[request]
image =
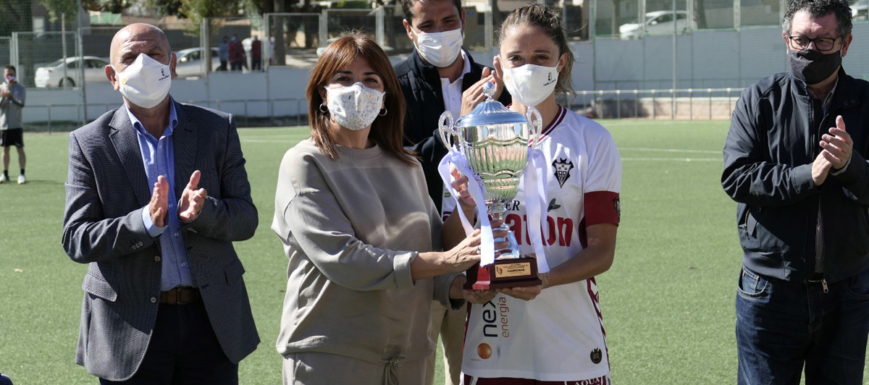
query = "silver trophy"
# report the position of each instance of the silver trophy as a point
(494, 142)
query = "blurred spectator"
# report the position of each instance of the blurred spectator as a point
(256, 54)
(12, 96)
(224, 53)
(236, 54)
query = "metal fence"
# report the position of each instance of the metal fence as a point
(654, 104)
(688, 51)
(51, 59)
(659, 104)
(243, 116)
(5, 51)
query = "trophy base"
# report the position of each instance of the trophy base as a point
(503, 273)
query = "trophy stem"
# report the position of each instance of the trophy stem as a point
(496, 209)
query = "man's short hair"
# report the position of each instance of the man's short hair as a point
(10, 68)
(407, 7)
(818, 9)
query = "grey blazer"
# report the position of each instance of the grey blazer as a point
(106, 191)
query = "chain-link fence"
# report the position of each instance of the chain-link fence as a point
(52, 60)
(630, 53)
(5, 51)
(666, 104)
(292, 38)
(696, 44)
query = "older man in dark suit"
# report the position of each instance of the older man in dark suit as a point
(156, 194)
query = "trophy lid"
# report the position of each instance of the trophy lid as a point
(490, 112)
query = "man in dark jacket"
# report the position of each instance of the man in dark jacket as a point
(795, 161)
(440, 76)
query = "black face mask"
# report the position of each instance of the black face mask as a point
(812, 66)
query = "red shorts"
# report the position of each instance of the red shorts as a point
(469, 380)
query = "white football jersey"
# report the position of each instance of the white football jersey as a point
(448, 204)
(558, 336)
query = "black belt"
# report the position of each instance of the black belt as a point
(181, 295)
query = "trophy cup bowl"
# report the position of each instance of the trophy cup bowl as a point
(494, 142)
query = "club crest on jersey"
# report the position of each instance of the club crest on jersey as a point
(618, 208)
(596, 356)
(562, 170)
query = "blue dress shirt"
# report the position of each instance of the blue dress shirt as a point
(158, 155)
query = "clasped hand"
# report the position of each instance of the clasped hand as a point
(837, 146)
(189, 206)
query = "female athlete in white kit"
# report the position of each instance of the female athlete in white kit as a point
(553, 333)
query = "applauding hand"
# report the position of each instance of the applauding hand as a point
(192, 199)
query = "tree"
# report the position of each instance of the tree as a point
(15, 16)
(170, 8)
(62, 7)
(196, 10)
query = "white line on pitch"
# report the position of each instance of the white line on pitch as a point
(670, 150)
(266, 141)
(675, 159)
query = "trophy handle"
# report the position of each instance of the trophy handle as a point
(446, 128)
(536, 122)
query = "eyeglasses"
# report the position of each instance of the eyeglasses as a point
(821, 43)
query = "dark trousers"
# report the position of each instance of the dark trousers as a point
(183, 350)
(222, 65)
(782, 327)
(470, 380)
(235, 65)
(256, 64)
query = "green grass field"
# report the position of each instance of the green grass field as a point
(667, 301)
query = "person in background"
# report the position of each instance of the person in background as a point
(12, 95)
(439, 76)
(256, 54)
(271, 50)
(795, 162)
(156, 195)
(223, 53)
(236, 54)
(552, 333)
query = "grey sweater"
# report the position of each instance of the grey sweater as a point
(10, 107)
(351, 229)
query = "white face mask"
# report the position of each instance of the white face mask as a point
(439, 49)
(354, 107)
(145, 82)
(531, 84)
(10, 78)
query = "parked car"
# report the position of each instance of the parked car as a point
(659, 23)
(860, 9)
(190, 61)
(52, 74)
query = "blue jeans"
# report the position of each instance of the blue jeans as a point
(780, 326)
